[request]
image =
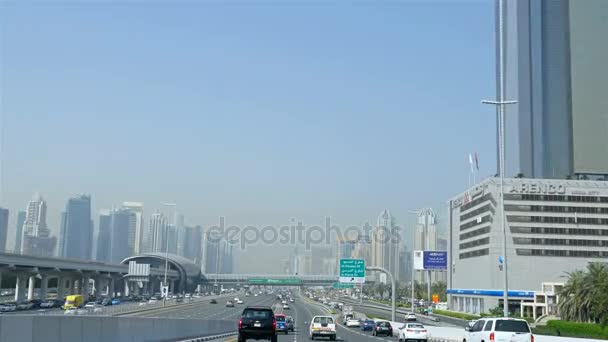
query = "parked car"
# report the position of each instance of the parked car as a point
(499, 329)
(413, 332)
(213, 301)
(257, 323)
(383, 328)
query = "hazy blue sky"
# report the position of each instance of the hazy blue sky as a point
(255, 110)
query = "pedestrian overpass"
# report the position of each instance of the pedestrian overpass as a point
(272, 279)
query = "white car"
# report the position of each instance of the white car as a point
(285, 306)
(351, 322)
(255, 295)
(322, 326)
(499, 329)
(283, 302)
(8, 307)
(410, 316)
(89, 305)
(413, 332)
(239, 301)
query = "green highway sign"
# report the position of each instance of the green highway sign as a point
(270, 281)
(352, 271)
(342, 285)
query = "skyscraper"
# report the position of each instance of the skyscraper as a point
(385, 244)
(319, 254)
(119, 233)
(172, 238)
(191, 239)
(36, 237)
(555, 70)
(157, 233)
(212, 252)
(227, 261)
(103, 236)
(137, 234)
(3, 228)
(19, 231)
(77, 228)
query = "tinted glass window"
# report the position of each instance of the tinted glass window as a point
(478, 325)
(258, 314)
(512, 326)
(323, 320)
(488, 326)
(415, 326)
(280, 319)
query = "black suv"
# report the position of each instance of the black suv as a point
(259, 323)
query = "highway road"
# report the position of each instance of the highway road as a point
(302, 311)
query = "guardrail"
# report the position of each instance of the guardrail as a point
(101, 329)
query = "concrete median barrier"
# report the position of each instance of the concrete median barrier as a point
(102, 329)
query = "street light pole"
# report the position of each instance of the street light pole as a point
(500, 105)
(412, 253)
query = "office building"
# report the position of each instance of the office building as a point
(191, 240)
(119, 234)
(77, 228)
(425, 239)
(362, 249)
(137, 234)
(227, 260)
(157, 233)
(19, 231)
(104, 244)
(385, 244)
(346, 248)
(36, 238)
(318, 255)
(3, 228)
(552, 227)
(303, 264)
(172, 238)
(330, 267)
(555, 70)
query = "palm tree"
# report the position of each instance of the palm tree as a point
(584, 297)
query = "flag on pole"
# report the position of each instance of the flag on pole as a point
(476, 162)
(471, 162)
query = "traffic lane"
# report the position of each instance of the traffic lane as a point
(206, 310)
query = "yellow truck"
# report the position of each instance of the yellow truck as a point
(73, 301)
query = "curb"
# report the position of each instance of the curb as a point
(209, 338)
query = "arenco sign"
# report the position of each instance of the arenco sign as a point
(538, 188)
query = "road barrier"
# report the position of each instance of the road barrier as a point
(102, 329)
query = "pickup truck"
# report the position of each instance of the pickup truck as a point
(322, 326)
(257, 323)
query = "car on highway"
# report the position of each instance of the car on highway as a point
(90, 305)
(255, 294)
(47, 304)
(352, 323)
(322, 326)
(240, 301)
(257, 322)
(367, 325)
(229, 304)
(410, 316)
(213, 301)
(383, 328)
(283, 301)
(413, 332)
(291, 300)
(286, 307)
(281, 320)
(291, 323)
(499, 329)
(25, 306)
(115, 301)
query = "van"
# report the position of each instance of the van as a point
(73, 301)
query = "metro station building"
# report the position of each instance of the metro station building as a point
(552, 227)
